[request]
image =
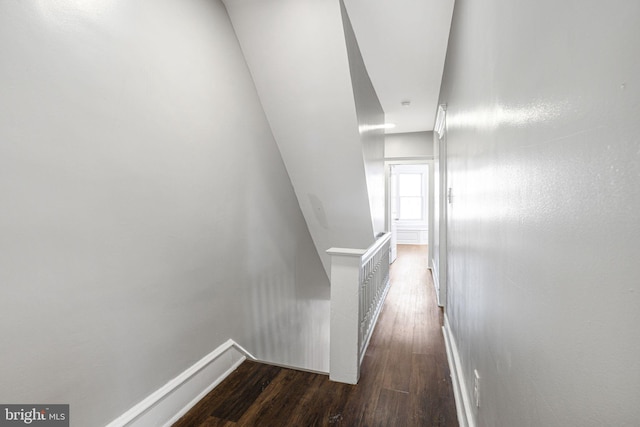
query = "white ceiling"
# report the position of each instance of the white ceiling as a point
(403, 44)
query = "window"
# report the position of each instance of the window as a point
(410, 202)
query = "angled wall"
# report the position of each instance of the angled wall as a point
(298, 58)
(543, 156)
(370, 116)
(147, 215)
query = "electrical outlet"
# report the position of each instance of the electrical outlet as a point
(476, 387)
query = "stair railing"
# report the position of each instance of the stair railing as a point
(359, 285)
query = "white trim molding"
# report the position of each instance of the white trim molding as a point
(436, 282)
(171, 401)
(440, 125)
(408, 235)
(463, 404)
(359, 285)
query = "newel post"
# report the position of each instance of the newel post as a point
(344, 357)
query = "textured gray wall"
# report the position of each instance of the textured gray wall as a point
(544, 162)
(147, 216)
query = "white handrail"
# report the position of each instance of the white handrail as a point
(359, 284)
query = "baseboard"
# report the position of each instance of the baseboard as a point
(412, 236)
(170, 402)
(292, 367)
(463, 405)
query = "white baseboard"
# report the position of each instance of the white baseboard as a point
(412, 236)
(463, 405)
(170, 402)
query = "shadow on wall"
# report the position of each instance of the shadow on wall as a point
(290, 301)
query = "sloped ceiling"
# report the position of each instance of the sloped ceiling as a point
(297, 55)
(403, 43)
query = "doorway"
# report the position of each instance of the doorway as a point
(408, 209)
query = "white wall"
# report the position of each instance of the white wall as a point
(408, 145)
(544, 162)
(370, 121)
(298, 58)
(146, 214)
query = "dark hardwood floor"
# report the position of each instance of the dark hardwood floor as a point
(404, 378)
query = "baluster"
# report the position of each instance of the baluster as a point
(358, 282)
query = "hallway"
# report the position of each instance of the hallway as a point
(404, 382)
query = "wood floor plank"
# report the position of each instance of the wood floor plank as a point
(428, 387)
(424, 316)
(322, 404)
(361, 406)
(427, 333)
(408, 277)
(244, 394)
(404, 375)
(392, 409)
(216, 422)
(231, 399)
(279, 400)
